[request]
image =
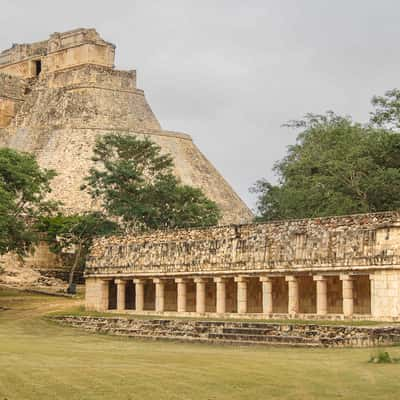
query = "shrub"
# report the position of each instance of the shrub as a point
(383, 357)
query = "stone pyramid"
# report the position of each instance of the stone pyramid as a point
(58, 95)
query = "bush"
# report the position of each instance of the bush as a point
(383, 357)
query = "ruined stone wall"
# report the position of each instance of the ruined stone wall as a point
(19, 59)
(357, 242)
(94, 295)
(12, 87)
(12, 90)
(61, 51)
(385, 293)
(90, 97)
(81, 54)
(20, 52)
(315, 335)
(93, 76)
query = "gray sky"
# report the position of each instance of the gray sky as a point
(230, 73)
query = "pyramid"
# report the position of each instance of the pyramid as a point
(58, 95)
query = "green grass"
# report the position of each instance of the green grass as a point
(42, 360)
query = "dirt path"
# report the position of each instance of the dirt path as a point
(20, 305)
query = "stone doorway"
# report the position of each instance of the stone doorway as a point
(170, 295)
(335, 295)
(307, 295)
(130, 295)
(37, 67)
(149, 296)
(362, 294)
(231, 296)
(112, 295)
(211, 296)
(280, 295)
(254, 295)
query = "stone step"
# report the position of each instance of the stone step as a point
(241, 333)
(130, 331)
(229, 341)
(260, 338)
(252, 331)
(148, 329)
(231, 337)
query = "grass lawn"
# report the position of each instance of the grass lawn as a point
(41, 360)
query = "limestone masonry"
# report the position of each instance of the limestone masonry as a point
(58, 95)
(234, 332)
(338, 267)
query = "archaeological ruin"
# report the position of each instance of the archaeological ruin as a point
(337, 267)
(58, 95)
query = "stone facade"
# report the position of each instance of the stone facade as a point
(12, 90)
(58, 95)
(330, 267)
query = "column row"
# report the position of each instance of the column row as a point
(243, 293)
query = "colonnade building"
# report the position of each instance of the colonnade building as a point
(335, 267)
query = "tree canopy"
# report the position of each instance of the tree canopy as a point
(135, 182)
(336, 167)
(23, 186)
(387, 110)
(75, 233)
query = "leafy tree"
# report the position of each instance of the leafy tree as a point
(75, 233)
(135, 183)
(336, 167)
(387, 110)
(23, 187)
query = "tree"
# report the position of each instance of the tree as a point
(75, 233)
(23, 187)
(135, 183)
(336, 167)
(387, 110)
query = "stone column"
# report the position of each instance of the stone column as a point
(372, 293)
(221, 295)
(139, 291)
(348, 299)
(160, 285)
(105, 295)
(293, 301)
(322, 294)
(200, 295)
(241, 294)
(266, 294)
(121, 286)
(181, 293)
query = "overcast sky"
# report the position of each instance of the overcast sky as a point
(230, 73)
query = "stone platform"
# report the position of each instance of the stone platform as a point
(239, 333)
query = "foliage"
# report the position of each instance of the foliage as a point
(336, 167)
(75, 233)
(383, 357)
(23, 186)
(387, 110)
(136, 183)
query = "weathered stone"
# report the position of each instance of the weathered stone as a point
(341, 267)
(57, 96)
(239, 332)
(355, 242)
